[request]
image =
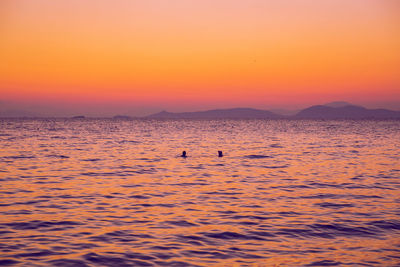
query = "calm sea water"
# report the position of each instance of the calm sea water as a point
(116, 193)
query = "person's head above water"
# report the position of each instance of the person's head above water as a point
(220, 153)
(183, 154)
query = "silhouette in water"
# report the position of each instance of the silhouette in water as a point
(220, 153)
(183, 154)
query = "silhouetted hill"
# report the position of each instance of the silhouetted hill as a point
(346, 112)
(235, 113)
(338, 104)
(284, 112)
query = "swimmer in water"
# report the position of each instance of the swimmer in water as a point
(220, 154)
(183, 154)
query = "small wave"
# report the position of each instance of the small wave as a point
(335, 205)
(283, 187)
(276, 146)
(226, 211)
(386, 225)
(6, 232)
(17, 212)
(301, 233)
(223, 193)
(192, 237)
(251, 217)
(146, 171)
(23, 203)
(19, 157)
(182, 223)
(338, 196)
(151, 159)
(131, 185)
(91, 159)
(68, 263)
(119, 236)
(276, 167)
(41, 253)
(128, 141)
(324, 185)
(207, 254)
(231, 236)
(199, 167)
(139, 197)
(364, 196)
(113, 260)
(289, 213)
(257, 156)
(57, 156)
(190, 184)
(171, 247)
(55, 129)
(337, 229)
(58, 137)
(140, 256)
(6, 262)
(262, 233)
(177, 263)
(325, 263)
(104, 174)
(41, 224)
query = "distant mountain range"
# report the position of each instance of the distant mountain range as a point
(234, 113)
(334, 110)
(346, 112)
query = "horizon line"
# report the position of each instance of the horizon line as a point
(148, 116)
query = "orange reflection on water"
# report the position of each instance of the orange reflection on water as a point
(117, 192)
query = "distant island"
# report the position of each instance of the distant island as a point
(346, 112)
(333, 110)
(234, 113)
(78, 117)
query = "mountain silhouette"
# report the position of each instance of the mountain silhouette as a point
(234, 113)
(345, 112)
(333, 110)
(338, 104)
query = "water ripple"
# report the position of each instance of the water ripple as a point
(102, 192)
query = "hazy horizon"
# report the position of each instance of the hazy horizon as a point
(105, 109)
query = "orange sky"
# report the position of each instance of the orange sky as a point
(189, 54)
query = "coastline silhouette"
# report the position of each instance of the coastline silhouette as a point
(334, 110)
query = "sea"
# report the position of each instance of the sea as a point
(107, 192)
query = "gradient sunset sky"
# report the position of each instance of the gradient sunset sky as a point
(103, 57)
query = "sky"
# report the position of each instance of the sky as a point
(104, 57)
